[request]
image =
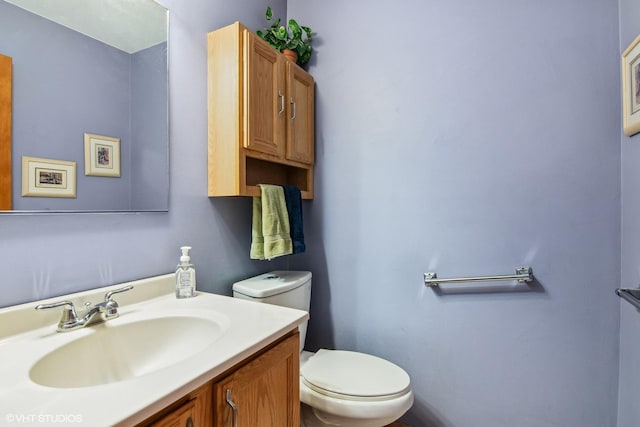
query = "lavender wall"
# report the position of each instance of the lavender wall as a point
(628, 408)
(469, 138)
(148, 153)
(65, 84)
(464, 138)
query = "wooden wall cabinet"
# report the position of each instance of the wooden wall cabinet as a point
(261, 116)
(265, 390)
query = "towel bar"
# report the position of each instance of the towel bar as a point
(632, 296)
(523, 274)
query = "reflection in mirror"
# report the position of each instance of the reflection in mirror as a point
(89, 67)
(5, 132)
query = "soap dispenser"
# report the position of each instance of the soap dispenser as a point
(185, 275)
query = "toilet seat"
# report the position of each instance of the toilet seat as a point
(353, 376)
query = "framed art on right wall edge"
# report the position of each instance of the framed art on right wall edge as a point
(631, 88)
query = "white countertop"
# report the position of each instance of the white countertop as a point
(248, 328)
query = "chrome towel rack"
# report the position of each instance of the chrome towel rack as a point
(632, 296)
(523, 275)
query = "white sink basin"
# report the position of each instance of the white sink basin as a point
(117, 352)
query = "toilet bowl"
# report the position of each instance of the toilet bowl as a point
(346, 388)
(337, 387)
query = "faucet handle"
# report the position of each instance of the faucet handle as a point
(54, 305)
(108, 295)
(111, 306)
(68, 317)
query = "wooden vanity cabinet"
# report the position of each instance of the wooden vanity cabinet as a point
(260, 116)
(264, 389)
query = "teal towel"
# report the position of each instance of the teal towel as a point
(293, 198)
(270, 224)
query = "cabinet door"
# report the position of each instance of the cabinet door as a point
(184, 416)
(193, 410)
(264, 97)
(263, 393)
(300, 132)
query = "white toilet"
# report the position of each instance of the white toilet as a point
(337, 388)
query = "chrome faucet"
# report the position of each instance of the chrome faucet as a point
(70, 320)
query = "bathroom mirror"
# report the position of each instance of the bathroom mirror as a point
(90, 102)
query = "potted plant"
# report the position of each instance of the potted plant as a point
(289, 38)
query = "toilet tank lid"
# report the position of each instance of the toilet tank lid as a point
(272, 283)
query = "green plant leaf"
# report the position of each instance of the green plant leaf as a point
(295, 29)
(281, 34)
(269, 13)
(307, 30)
(304, 57)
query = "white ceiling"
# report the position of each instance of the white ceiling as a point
(129, 25)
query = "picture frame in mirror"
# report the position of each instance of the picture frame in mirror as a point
(101, 155)
(48, 177)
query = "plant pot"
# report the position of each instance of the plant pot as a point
(291, 55)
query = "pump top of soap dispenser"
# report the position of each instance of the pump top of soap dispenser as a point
(185, 259)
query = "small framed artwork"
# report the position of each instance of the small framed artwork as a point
(631, 88)
(101, 155)
(48, 178)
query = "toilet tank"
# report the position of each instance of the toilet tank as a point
(286, 288)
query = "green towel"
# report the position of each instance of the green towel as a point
(270, 225)
(257, 239)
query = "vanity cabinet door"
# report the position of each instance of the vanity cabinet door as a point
(184, 416)
(193, 410)
(265, 392)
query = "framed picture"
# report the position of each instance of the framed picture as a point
(631, 88)
(48, 178)
(101, 155)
